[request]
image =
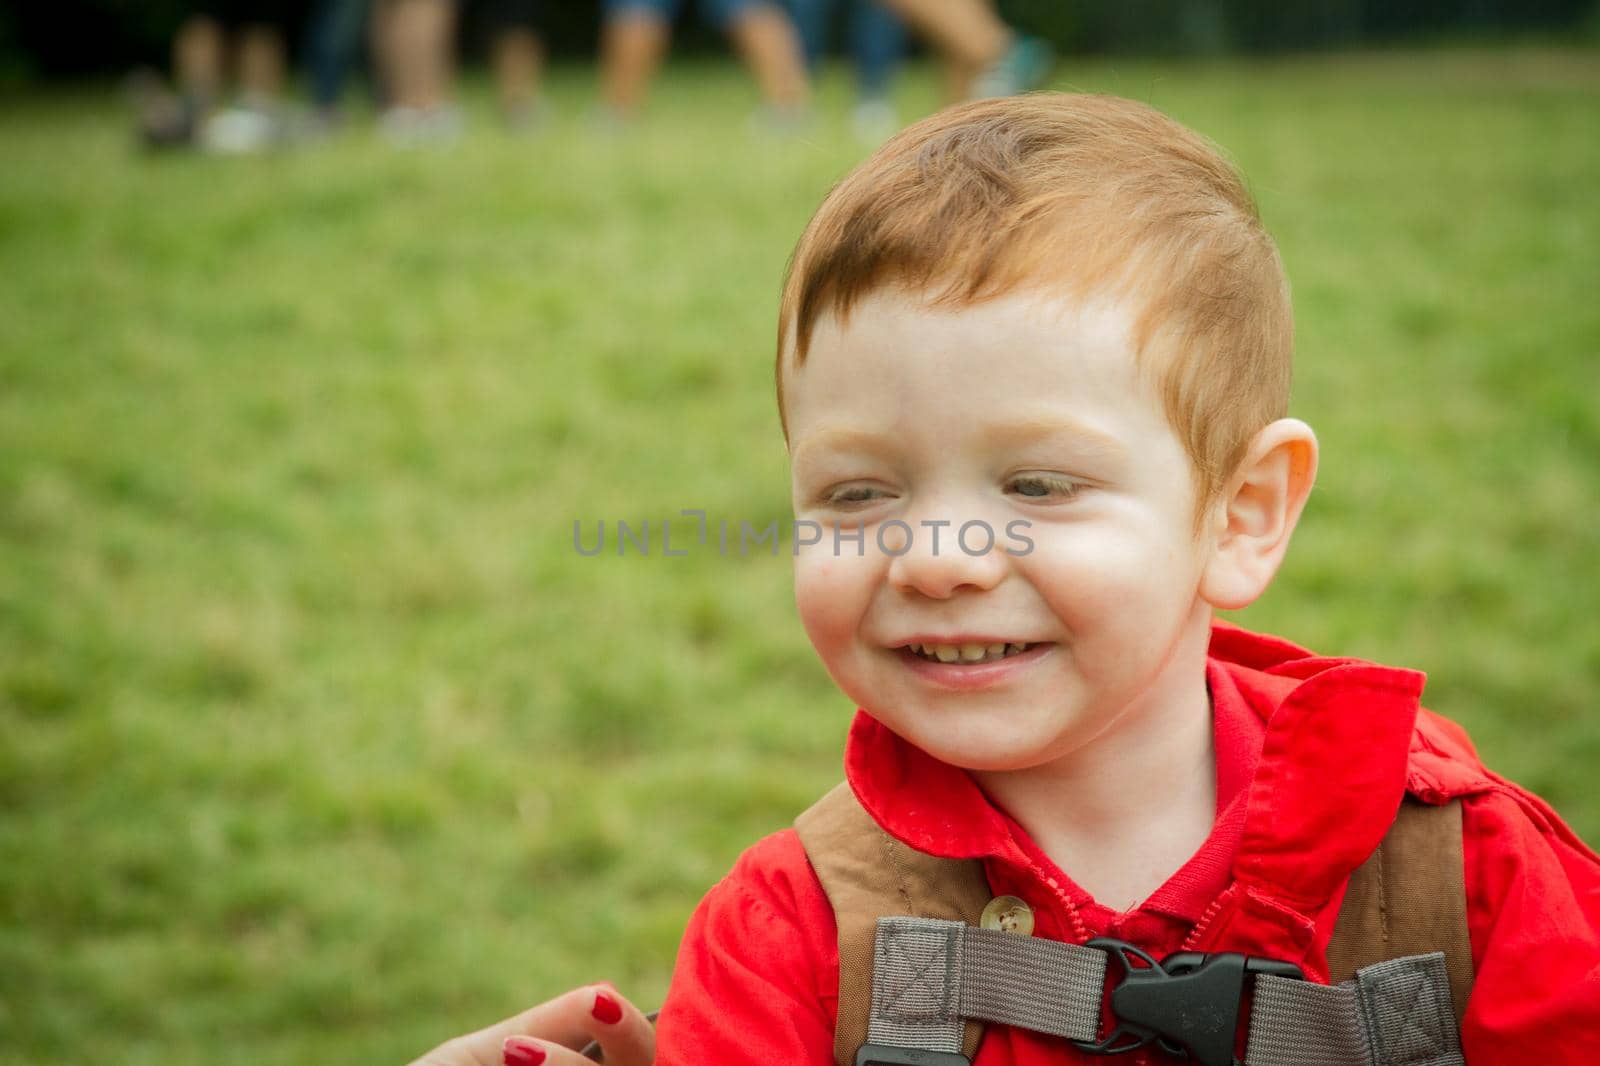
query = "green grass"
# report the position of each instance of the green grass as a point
(319, 743)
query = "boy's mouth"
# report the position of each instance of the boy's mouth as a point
(967, 653)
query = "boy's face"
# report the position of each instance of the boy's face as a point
(1027, 417)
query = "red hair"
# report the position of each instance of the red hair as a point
(1076, 195)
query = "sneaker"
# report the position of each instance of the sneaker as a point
(415, 127)
(164, 119)
(240, 131)
(525, 117)
(780, 120)
(608, 120)
(874, 120)
(1025, 66)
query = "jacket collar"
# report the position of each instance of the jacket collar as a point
(1312, 813)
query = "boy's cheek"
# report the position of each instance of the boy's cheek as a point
(1109, 584)
(1116, 557)
(816, 583)
(829, 602)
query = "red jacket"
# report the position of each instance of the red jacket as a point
(1312, 758)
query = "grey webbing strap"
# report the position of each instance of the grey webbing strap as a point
(1395, 1013)
(929, 975)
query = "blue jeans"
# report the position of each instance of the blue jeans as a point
(877, 39)
(334, 36)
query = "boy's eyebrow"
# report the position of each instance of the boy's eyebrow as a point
(841, 439)
(1016, 433)
(1011, 434)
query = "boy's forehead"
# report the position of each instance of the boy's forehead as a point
(1005, 348)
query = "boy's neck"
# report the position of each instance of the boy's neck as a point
(1122, 814)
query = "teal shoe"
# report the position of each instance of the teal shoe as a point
(1025, 66)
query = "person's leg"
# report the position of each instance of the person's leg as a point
(516, 55)
(170, 117)
(254, 122)
(380, 43)
(441, 50)
(811, 20)
(197, 61)
(518, 60)
(420, 38)
(261, 67)
(967, 34)
(877, 41)
(333, 37)
(632, 44)
(767, 42)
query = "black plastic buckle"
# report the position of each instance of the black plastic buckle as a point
(1188, 1004)
(888, 1055)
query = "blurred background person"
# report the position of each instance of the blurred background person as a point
(983, 56)
(333, 39)
(239, 45)
(516, 57)
(876, 42)
(637, 32)
(414, 43)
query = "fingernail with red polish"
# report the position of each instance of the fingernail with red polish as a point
(607, 1009)
(519, 1052)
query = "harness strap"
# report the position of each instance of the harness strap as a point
(1408, 898)
(866, 872)
(930, 976)
(1395, 1013)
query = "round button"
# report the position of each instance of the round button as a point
(1009, 915)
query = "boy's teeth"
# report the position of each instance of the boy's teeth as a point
(968, 653)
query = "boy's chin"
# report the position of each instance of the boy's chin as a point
(990, 755)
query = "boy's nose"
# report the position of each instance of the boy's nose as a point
(939, 560)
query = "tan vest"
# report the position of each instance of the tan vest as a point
(1408, 898)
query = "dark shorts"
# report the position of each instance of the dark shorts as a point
(718, 12)
(236, 14)
(502, 13)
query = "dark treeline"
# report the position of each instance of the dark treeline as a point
(72, 38)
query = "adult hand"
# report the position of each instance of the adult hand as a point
(551, 1033)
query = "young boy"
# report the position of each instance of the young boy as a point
(1033, 368)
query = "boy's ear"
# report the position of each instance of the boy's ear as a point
(1252, 522)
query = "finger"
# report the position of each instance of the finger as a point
(457, 1052)
(565, 1020)
(526, 1051)
(626, 1036)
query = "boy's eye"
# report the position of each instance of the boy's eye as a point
(853, 494)
(1043, 486)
